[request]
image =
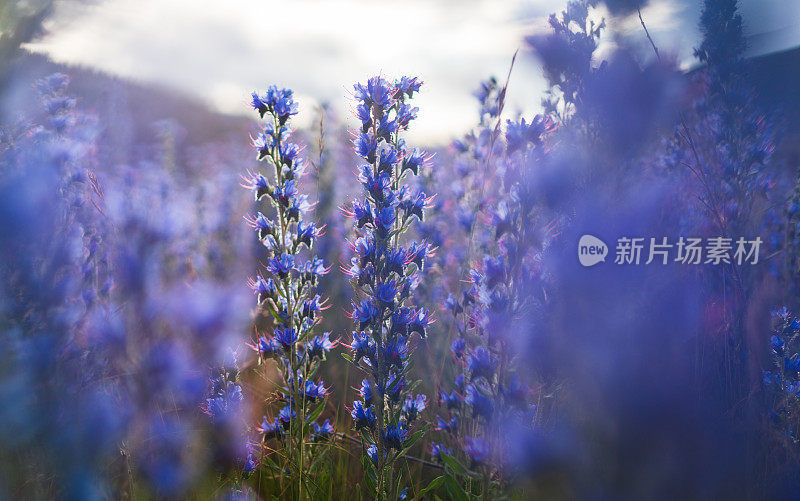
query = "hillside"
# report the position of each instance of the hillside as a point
(128, 111)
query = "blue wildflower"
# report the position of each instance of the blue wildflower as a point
(364, 312)
(367, 391)
(267, 347)
(281, 266)
(481, 404)
(285, 337)
(376, 94)
(395, 352)
(448, 426)
(271, 429)
(322, 432)
(394, 436)
(313, 391)
(477, 449)
(458, 346)
(481, 363)
(438, 449)
(320, 345)
(387, 291)
(450, 400)
(363, 346)
(285, 416)
(364, 417)
(413, 406)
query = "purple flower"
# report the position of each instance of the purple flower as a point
(401, 318)
(413, 406)
(395, 352)
(286, 337)
(320, 345)
(458, 346)
(322, 432)
(372, 453)
(307, 232)
(363, 346)
(414, 205)
(481, 363)
(365, 249)
(385, 130)
(387, 291)
(405, 114)
(395, 387)
(450, 400)
(438, 449)
(481, 404)
(377, 186)
(448, 426)
(384, 219)
(279, 101)
(364, 417)
(420, 321)
(376, 94)
(366, 146)
(477, 449)
(361, 212)
(264, 288)
(267, 347)
(263, 225)
(258, 184)
(271, 429)
(281, 266)
(367, 391)
(394, 436)
(313, 391)
(364, 313)
(414, 161)
(406, 85)
(285, 415)
(363, 114)
(315, 268)
(418, 252)
(311, 307)
(388, 159)
(285, 195)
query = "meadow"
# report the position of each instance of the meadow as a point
(597, 301)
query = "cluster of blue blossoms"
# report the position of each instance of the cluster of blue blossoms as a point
(385, 273)
(491, 392)
(287, 293)
(782, 381)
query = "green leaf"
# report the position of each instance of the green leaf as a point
(347, 357)
(454, 489)
(314, 415)
(454, 464)
(413, 440)
(369, 468)
(397, 485)
(435, 484)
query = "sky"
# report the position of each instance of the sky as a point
(222, 51)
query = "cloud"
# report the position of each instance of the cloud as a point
(221, 51)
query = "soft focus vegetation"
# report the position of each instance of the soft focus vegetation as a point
(201, 306)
